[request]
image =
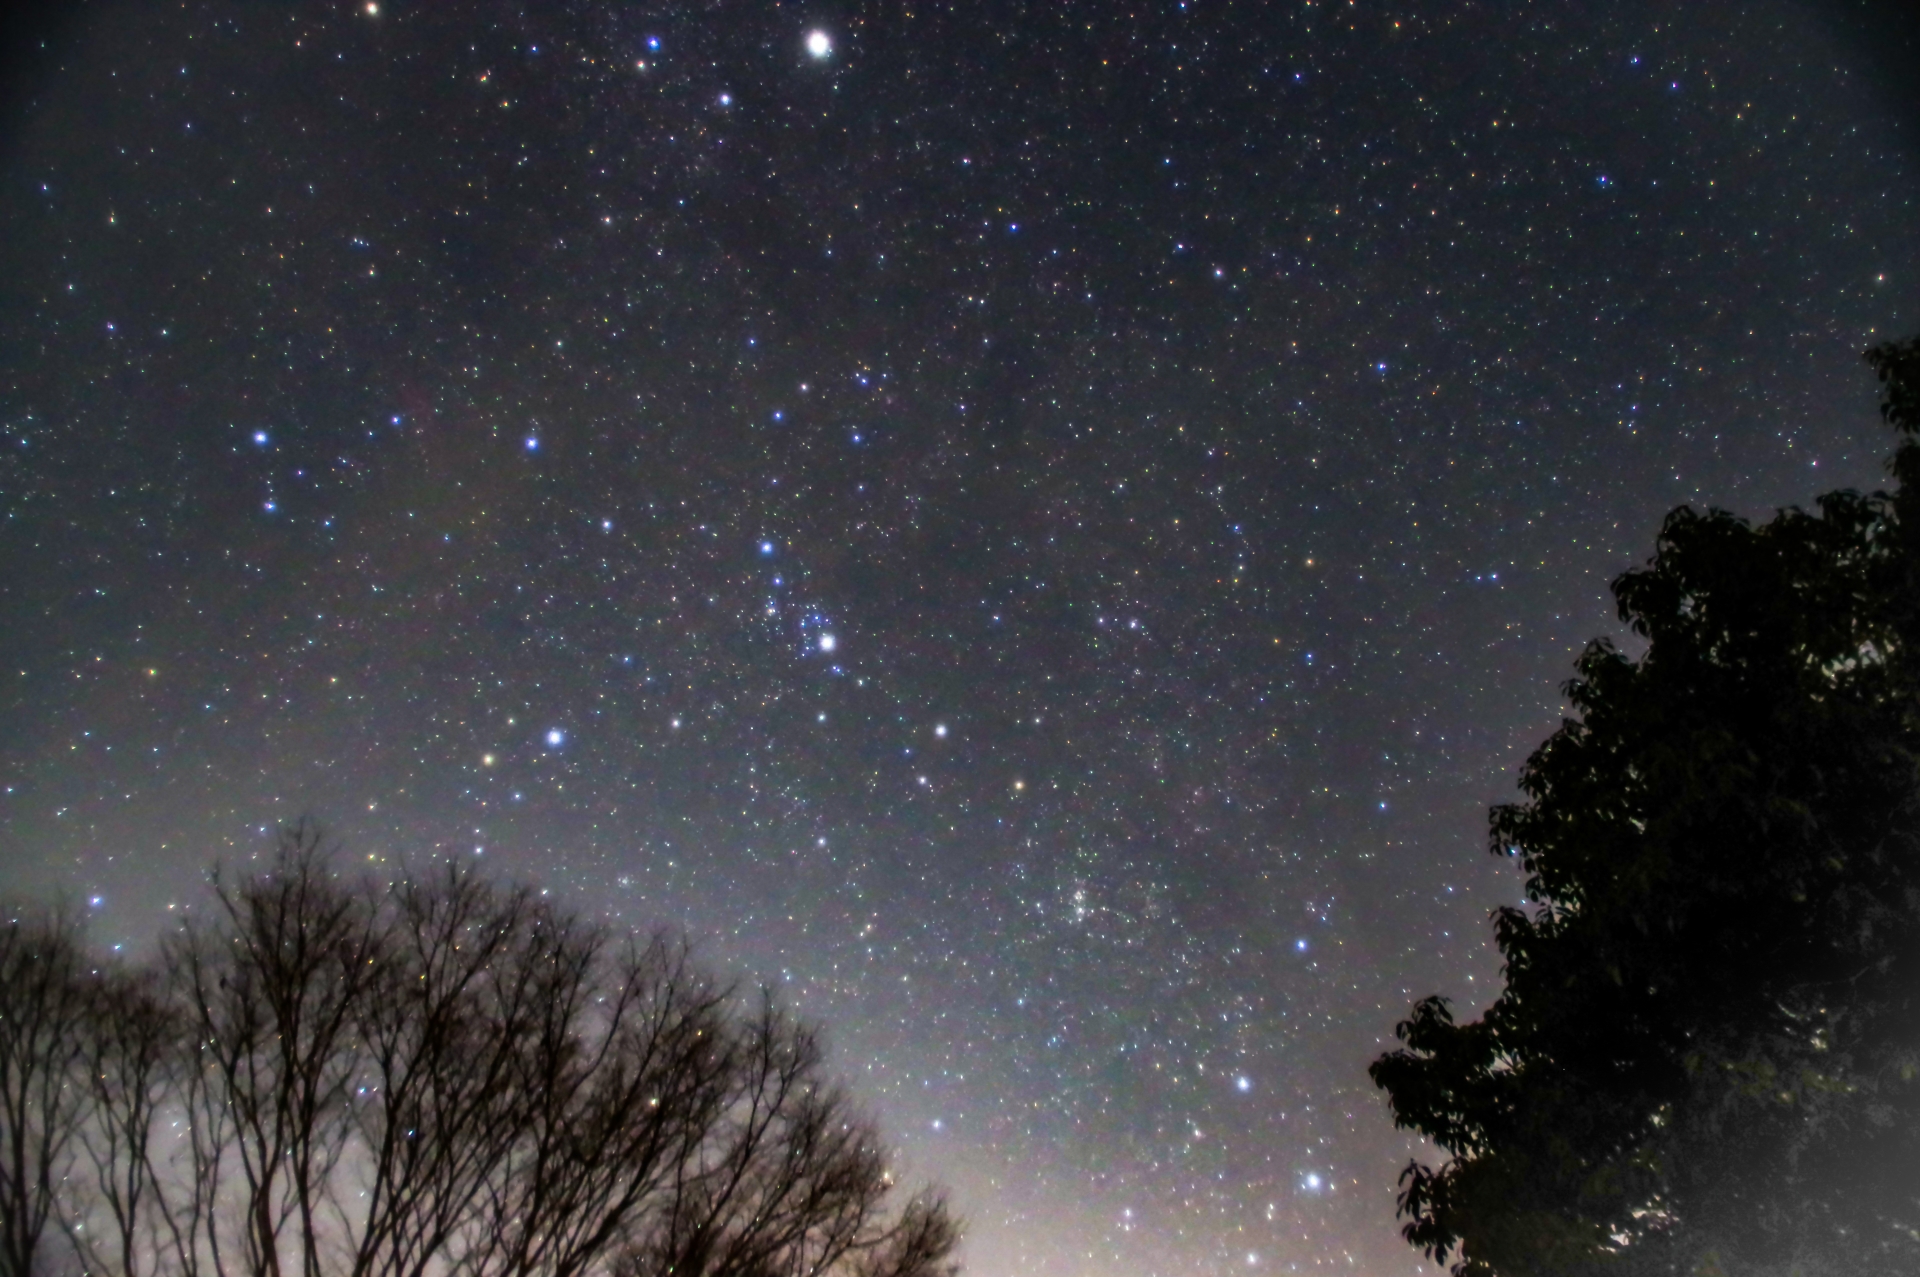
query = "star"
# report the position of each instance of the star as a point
(1061, 471)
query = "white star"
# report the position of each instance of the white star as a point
(819, 44)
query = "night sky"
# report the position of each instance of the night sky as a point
(1039, 530)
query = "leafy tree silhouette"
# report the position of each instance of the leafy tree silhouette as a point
(1706, 1058)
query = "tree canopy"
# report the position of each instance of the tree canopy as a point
(431, 1077)
(1706, 1057)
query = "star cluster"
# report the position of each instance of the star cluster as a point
(1038, 530)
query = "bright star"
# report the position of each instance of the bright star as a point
(940, 729)
(259, 436)
(556, 738)
(819, 44)
(533, 443)
(826, 642)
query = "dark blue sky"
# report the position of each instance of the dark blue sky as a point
(1040, 530)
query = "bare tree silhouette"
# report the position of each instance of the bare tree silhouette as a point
(43, 1030)
(437, 1076)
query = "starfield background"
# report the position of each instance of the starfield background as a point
(1037, 529)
